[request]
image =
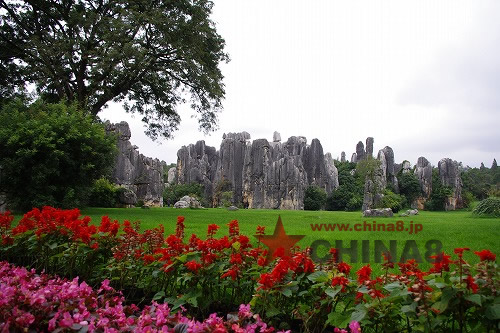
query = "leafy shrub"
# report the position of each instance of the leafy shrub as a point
(488, 207)
(439, 193)
(349, 195)
(174, 192)
(393, 201)
(104, 194)
(51, 154)
(409, 186)
(314, 198)
(226, 199)
(219, 274)
(468, 198)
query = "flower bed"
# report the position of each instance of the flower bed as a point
(217, 274)
(40, 302)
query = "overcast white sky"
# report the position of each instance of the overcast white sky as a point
(420, 76)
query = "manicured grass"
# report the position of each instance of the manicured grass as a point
(452, 229)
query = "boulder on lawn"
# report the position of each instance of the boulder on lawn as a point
(379, 212)
(409, 212)
(188, 202)
(232, 208)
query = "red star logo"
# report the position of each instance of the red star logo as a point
(279, 239)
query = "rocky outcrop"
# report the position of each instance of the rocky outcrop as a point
(381, 212)
(171, 176)
(135, 172)
(406, 167)
(197, 164)
(187, 202)
(369, 147)
(392, 180)
(260, 174)
(276, 137)
(423, 172)
(375, 184)
(450, 176)
(360, 151)
(342, 156)
(354, 158)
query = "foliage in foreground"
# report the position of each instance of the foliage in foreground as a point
(289, 291)
(51, 154)
(39, 302)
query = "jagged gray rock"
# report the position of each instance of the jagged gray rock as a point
(134, 171)
(342, 156)
(406, 167)
(450, 176)
(390, 170)
(260, 174)
(197, 164)
(360, 151)
(276, 137)
(381, 212)
(369, 147)
(232, 208)
(423, 171)
(354, 158)
(188, 202)
(171, 175)
(375, 185)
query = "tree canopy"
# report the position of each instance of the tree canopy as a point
(150, 55)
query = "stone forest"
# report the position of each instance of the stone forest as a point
(270, 174)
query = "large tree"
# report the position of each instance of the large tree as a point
(150, 55)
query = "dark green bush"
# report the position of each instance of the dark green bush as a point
(488, 207)
(409, 186)
(51, 154)
(393, 201)
(174, 192)
(103, 194)
(314, 198)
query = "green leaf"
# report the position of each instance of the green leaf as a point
(493, 312)
(359, 314)
(332, 292)
(409, 308)
(319, 276)
(392, 286)
(338, 319)
(159, 295)
(272, 311)
(474, 298)
(287, 292)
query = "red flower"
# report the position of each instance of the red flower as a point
(212, 229)
(344, 268)
(266, 281)
(441, 263)
(234, 228)
(486, 255)
(364, 273)
(471, 284)
(460, 251)
(262, 261)
(193, 266)
(261, 230)
(235, 259)
(340, 281)
(148, 258)
(335, 255)
(233, 273)
(179, 228)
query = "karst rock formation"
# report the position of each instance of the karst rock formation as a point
(269, 174)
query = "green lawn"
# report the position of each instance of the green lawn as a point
(453, 229)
